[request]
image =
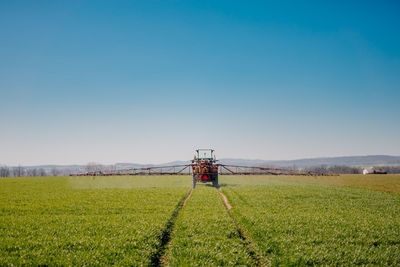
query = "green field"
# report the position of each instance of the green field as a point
(206, 235)
(142, 221)
(69, 222)
(303, 224)
(377, 182)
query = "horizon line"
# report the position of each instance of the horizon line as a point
(251, 159)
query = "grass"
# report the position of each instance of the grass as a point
(123, 220)
(51, 221)
(378, 182)
(306, 224)
(205, 234)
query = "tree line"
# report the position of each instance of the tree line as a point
(349, 169)
(20, 171)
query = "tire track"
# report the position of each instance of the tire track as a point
(225, 199)
(250, 246)
(157, 258)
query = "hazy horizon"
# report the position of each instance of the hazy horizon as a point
(149, 82)
(175, 160)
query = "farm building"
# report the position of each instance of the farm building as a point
(372, 170)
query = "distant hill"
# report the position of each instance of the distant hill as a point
(354, 161)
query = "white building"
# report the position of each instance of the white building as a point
(372, 170)
(368, 170)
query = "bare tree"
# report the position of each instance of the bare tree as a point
(54, 171)
(19, 171)
(14, 172)
(4, 171)
(94, 167)
(42, 172)
(334, 170)
(112, 167)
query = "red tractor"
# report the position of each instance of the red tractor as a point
(204, 167)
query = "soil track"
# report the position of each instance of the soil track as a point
(187, 198)
(158, 259)
(225, 199)
(251, 247)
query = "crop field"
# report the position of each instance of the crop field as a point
(155, 220)
(304, 224)
(206, 235)
(59, 221)
(377, 182)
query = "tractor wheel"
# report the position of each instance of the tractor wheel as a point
(215, 181)
(194, 182)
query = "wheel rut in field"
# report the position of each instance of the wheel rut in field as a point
(157, 259)
(225, 199)
(251, 248)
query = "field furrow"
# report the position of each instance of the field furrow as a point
(205, 235)
(158, 257)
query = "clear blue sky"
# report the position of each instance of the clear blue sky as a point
(150, 81)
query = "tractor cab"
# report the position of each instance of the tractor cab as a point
(204, 167)
(205, 155)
